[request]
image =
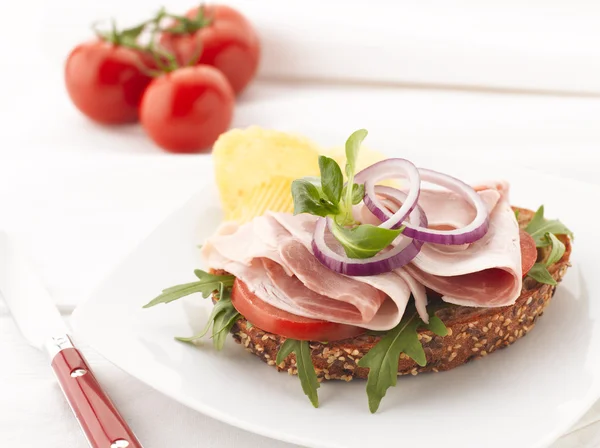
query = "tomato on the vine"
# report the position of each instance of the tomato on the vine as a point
(187, 109)
(216, 35)
(106, 81)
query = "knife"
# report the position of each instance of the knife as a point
(40, 322)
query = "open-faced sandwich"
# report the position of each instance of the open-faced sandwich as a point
(367, 273)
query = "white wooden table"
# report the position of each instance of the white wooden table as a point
(84, 197)
(83, 212)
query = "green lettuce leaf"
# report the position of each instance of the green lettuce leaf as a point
(307, 199)
(358, 193)
(365, 240)
(352, 148)
(332, 180)
(327, 196)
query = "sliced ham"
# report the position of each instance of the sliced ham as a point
(446, 209)
(302, 227)
(418, 292)
(273, 256)
(318, 305)
(487, 273)
(281, 270)
(244, 243)
(316, 277)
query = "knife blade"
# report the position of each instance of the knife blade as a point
(31, 306)
(40, 322)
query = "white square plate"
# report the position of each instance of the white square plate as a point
(525, 396)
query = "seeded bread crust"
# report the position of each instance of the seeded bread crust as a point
(472, 333)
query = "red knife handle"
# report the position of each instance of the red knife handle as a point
(97, 415)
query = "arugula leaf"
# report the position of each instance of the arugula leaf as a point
(287, 348)
(222, 324)
(249, 324)
(308, 200)
(539, 272)
(218, 308)
(228, 315)
(539, 227)
(223, 314)
(558, 249)
(382, 360)
(306, 370)
(207, 285)
(544, 233)
(332, 179)
(365, 240)
(436, 326)
(221, 319)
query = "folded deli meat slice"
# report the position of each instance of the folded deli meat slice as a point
(273, 255)
(487, 273)
(446, 209)
(281, 270)
(394, 284)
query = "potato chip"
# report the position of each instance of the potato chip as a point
(274, 195)
(255, 168)
(247, 161)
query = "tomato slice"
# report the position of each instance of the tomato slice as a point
(528, 251)
(271, 319)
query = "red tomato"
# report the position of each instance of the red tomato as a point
(271, 319)
(228, 43)
(186, 110)
(106, 81)
(528, 251)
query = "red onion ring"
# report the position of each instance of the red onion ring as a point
(389, 169)
(469, 234)
(417, 217)
(404, 250)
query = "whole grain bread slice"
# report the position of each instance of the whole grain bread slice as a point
(473, 333)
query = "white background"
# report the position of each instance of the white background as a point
(84, 195)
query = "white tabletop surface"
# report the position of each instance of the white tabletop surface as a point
(84, 196)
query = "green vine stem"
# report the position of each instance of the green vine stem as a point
(164, 60)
